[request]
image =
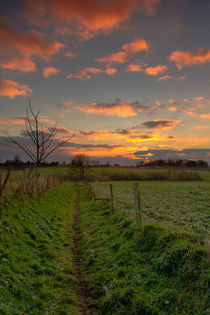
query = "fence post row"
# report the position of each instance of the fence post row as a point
(111, 197)
(138, 205)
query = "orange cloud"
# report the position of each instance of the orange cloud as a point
(12, 121)
(155, 70)
(20, 64)
(190, 58)
(87, 73)
(170, 77)
(148, 137)
(49, 71)
(99, 152)
(189, 105)
(133, 67)
(128, 50)
(117, 108)
(12, 89)
(104, 134)
(27, 44)
(203, 116)
(173, 109)
(85, 18)
(173, 102)
(69, 54)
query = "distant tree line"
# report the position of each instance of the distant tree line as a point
(17, 163)
(174, 163)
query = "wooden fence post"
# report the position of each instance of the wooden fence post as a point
(138, 206)
(93, 196)
(111, 197)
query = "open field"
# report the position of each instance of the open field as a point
(184, 205)
(153, 271)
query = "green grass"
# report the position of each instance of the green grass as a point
(112, 173)
(154, 271)
(35, 255)
(150, 272)
(183, 205)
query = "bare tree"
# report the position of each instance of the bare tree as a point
(81, 162)
(42, 143)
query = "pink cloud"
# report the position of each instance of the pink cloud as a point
(49, 71)
(127, 51)
(12, 89)
(190, 58)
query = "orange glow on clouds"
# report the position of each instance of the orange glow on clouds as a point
(11, 88)
(87, 73)
(170, 77)
(99, 152)
(155, 70)
(152, 138)
(190, 58)
(20, 64)
(86, 18)
(128, 50)
(12, 121)
(162, 124)
(28, 44)
(49, 71)
(118, 108)
(135, 67)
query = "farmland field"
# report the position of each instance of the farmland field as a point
(184, 205)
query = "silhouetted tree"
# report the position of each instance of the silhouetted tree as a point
(42, 144)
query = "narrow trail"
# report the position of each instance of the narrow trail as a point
(83, 291)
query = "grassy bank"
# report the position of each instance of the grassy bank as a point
(36, 255)
(150, 272)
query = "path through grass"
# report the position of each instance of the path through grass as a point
(36, 255)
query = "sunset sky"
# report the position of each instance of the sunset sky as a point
(130, 79)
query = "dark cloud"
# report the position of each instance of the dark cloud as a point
(194, 154)
(161, 124)
(58, 130)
